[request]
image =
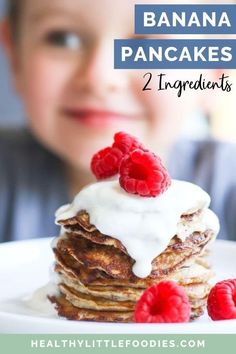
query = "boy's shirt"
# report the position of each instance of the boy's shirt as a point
(211, 165)
(33, 184)
(32, 187)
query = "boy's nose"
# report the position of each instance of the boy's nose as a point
(97, 73)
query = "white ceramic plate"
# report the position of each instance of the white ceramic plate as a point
(24, 267)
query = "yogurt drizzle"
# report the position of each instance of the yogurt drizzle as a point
(145, 226)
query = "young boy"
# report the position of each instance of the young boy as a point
(61, 54)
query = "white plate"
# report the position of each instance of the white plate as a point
(24, 267)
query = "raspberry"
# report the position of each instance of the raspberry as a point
(221, 303)
(163, 302)
(141, 172)
(106, 162)
(126, 143)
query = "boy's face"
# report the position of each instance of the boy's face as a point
(74, 99)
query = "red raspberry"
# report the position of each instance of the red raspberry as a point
(126, 143)
(141, 172)
(221, 303)
(106, 162)
(163, 302)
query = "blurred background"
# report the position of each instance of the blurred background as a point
(222, 124)
(11, 112)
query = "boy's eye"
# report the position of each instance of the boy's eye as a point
(66, 39)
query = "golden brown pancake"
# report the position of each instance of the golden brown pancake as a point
(116, 264)
(196, 293)
(122, 293)
(66, 309)
(95, 276)
(80, 225)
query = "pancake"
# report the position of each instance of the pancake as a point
(80, 225)
(117, 264)
(196, 293)
(114, 293)
(95, 276)
(184, 275)
(67, 310)
(117, 292)
(94, 303)
(91, 291)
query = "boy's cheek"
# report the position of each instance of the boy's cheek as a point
(43, 82)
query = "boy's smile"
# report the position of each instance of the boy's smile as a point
(97, 117)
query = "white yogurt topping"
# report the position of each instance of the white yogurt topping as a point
(145, 226)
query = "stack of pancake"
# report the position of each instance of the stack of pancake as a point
(95, 277)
